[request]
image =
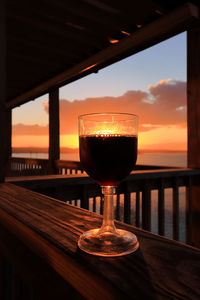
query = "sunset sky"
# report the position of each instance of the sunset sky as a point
(151, 84)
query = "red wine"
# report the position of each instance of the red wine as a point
(108, 159)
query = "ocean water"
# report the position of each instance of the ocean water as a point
(172, 159)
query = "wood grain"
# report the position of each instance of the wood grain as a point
(160, 269)
(31, 270)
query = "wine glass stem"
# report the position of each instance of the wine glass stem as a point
(108, 220)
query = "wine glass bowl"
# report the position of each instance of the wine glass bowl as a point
(108, 153)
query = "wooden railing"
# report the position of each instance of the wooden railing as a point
(19, 166)
(159, 201)
(68, 167)
(74, 167)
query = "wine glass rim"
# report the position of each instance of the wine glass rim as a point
(107, 114)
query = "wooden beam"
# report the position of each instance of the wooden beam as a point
(56, 31)
(2, 90)
(54, 124)
(165, 27)
(193, 109)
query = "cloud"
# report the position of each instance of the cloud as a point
(169, 93)
(164, 108)
(163, 104)
(24, 129)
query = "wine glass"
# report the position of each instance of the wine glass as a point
(108, 153)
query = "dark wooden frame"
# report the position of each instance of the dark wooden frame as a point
(3, 119)
(54, 129)
(165, 27)
(193, 114)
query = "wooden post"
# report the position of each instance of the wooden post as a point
(9, 132)
(2, 91)
(8, 146)
(54, 134)
(127, 204)
(161, 208)
(146, 206)
(193, 104)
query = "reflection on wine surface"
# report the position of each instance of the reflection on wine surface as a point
(108, 153)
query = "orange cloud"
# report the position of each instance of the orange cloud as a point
(26, 130)
(162, 105)
(161, 82)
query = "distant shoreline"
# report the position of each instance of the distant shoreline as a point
(72, 150)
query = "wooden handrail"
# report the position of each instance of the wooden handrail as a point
(21, 166)
(43, 233)
(85, 192)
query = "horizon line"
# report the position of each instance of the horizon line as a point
(68, 149)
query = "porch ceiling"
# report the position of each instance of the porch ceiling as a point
(54, 42)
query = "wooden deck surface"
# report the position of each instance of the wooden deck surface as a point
(160, 269)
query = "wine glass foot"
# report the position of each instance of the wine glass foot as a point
(108, 244)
